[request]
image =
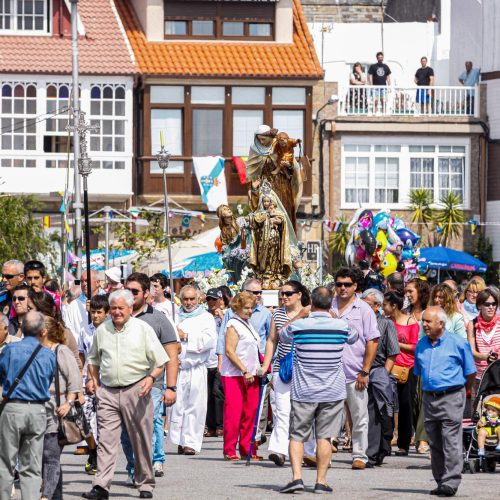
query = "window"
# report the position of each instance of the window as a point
(289, 95)
(107, 102)
(167, 94)
(384, 174)
(232, 20)
(207, 95)
(207, 132)
(168, 121)
(18, 117)
(386, 180)
(357, 180)
(24, 15)
(245, 122)
(290, 121)
(58, 104)
(249, 95)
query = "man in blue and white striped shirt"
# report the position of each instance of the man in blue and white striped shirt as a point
(318, 385)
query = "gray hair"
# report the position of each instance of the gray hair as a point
(438, 311)
(124, 294)
(189, 287)
(249, 281)
(17, 264)
(4, 319)
(377, 294)
(33, 324)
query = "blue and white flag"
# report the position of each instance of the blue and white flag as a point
(209, 171)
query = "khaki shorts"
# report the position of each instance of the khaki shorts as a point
(322, 418)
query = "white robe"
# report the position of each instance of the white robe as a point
(187, 419)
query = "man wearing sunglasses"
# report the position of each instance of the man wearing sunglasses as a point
(12, 275)
(20, 306)
(357, 358)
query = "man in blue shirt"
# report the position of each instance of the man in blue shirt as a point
(445, 364)
(23, 419)
(469, 78)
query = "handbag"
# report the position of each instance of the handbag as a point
(74, 427)
(19, 377)
(286, 365)
(400, 373)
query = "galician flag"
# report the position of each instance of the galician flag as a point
(209, 171)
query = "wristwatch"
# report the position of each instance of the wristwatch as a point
(363, 373)
(172, 388)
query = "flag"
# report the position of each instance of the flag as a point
(337, 226)
(209, 171)
(46, 221)
(473, 225)
(202, 218)
(439, 228)
(328, 225)
(239, 164)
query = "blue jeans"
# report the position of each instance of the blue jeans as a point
(158, 450)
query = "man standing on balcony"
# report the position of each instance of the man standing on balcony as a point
(469, 78)
(424, 77)
(379, 74)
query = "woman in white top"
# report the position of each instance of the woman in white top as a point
(238, 375)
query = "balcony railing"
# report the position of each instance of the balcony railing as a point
(360, 100)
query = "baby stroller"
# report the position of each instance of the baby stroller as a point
(488, 387)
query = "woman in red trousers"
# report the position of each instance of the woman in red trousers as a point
(238, 375)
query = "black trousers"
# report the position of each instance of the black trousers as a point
(215, 404)
(380, 431)
(406, 396)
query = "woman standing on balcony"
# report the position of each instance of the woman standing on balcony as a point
(357, 96)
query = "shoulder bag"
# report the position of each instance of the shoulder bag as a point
(286, 365)
(74, 427)
(19, 377)
(400, 373)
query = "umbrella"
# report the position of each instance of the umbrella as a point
(188, 268)
(116, 257)
(452, 260)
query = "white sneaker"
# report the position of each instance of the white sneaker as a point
(158, 469)
(130, 482)
(13, 493)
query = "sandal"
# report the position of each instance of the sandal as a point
(231, 458)
(347, 446)
(423, 448)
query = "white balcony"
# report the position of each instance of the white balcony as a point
(361, 100)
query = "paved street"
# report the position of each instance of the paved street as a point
(208, 476)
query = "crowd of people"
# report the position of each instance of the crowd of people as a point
(379, 77)
(347, 365)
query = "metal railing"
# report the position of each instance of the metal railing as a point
(376, 100)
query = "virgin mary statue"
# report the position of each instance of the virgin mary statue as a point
(272, 238)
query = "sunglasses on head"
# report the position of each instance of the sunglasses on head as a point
(19, 298)
(134, 291)
(339, 284)
(288, 293)
(10, 276)
(255, 293)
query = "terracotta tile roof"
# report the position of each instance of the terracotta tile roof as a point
(104, 50)
(224, 59)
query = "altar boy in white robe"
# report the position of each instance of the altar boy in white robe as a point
(198, 334)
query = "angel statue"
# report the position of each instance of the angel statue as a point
(272, 237)
(234, 237)
(272, 158)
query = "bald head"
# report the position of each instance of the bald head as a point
(434, 321)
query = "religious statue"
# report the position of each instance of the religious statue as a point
(272, 159)
(234, 237)
(270, 253)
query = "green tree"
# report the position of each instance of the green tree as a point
(484, 252)
(450, 217)
(21, 233)
(420, 206)
(338, 242)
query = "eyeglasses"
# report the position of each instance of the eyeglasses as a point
(490, 304)
(288, 293)
(10, 276)
(134, 291)
(338, 284)
(18, 298)
(472, 292)
(255, 293)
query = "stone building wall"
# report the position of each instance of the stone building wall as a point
(342, 11)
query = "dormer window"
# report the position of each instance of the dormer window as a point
(24, 16)
(222, 19)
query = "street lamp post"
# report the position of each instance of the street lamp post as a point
(163, 158)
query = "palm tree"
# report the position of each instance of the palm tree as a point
(338, 241)
(450, 216)
(420, 206)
